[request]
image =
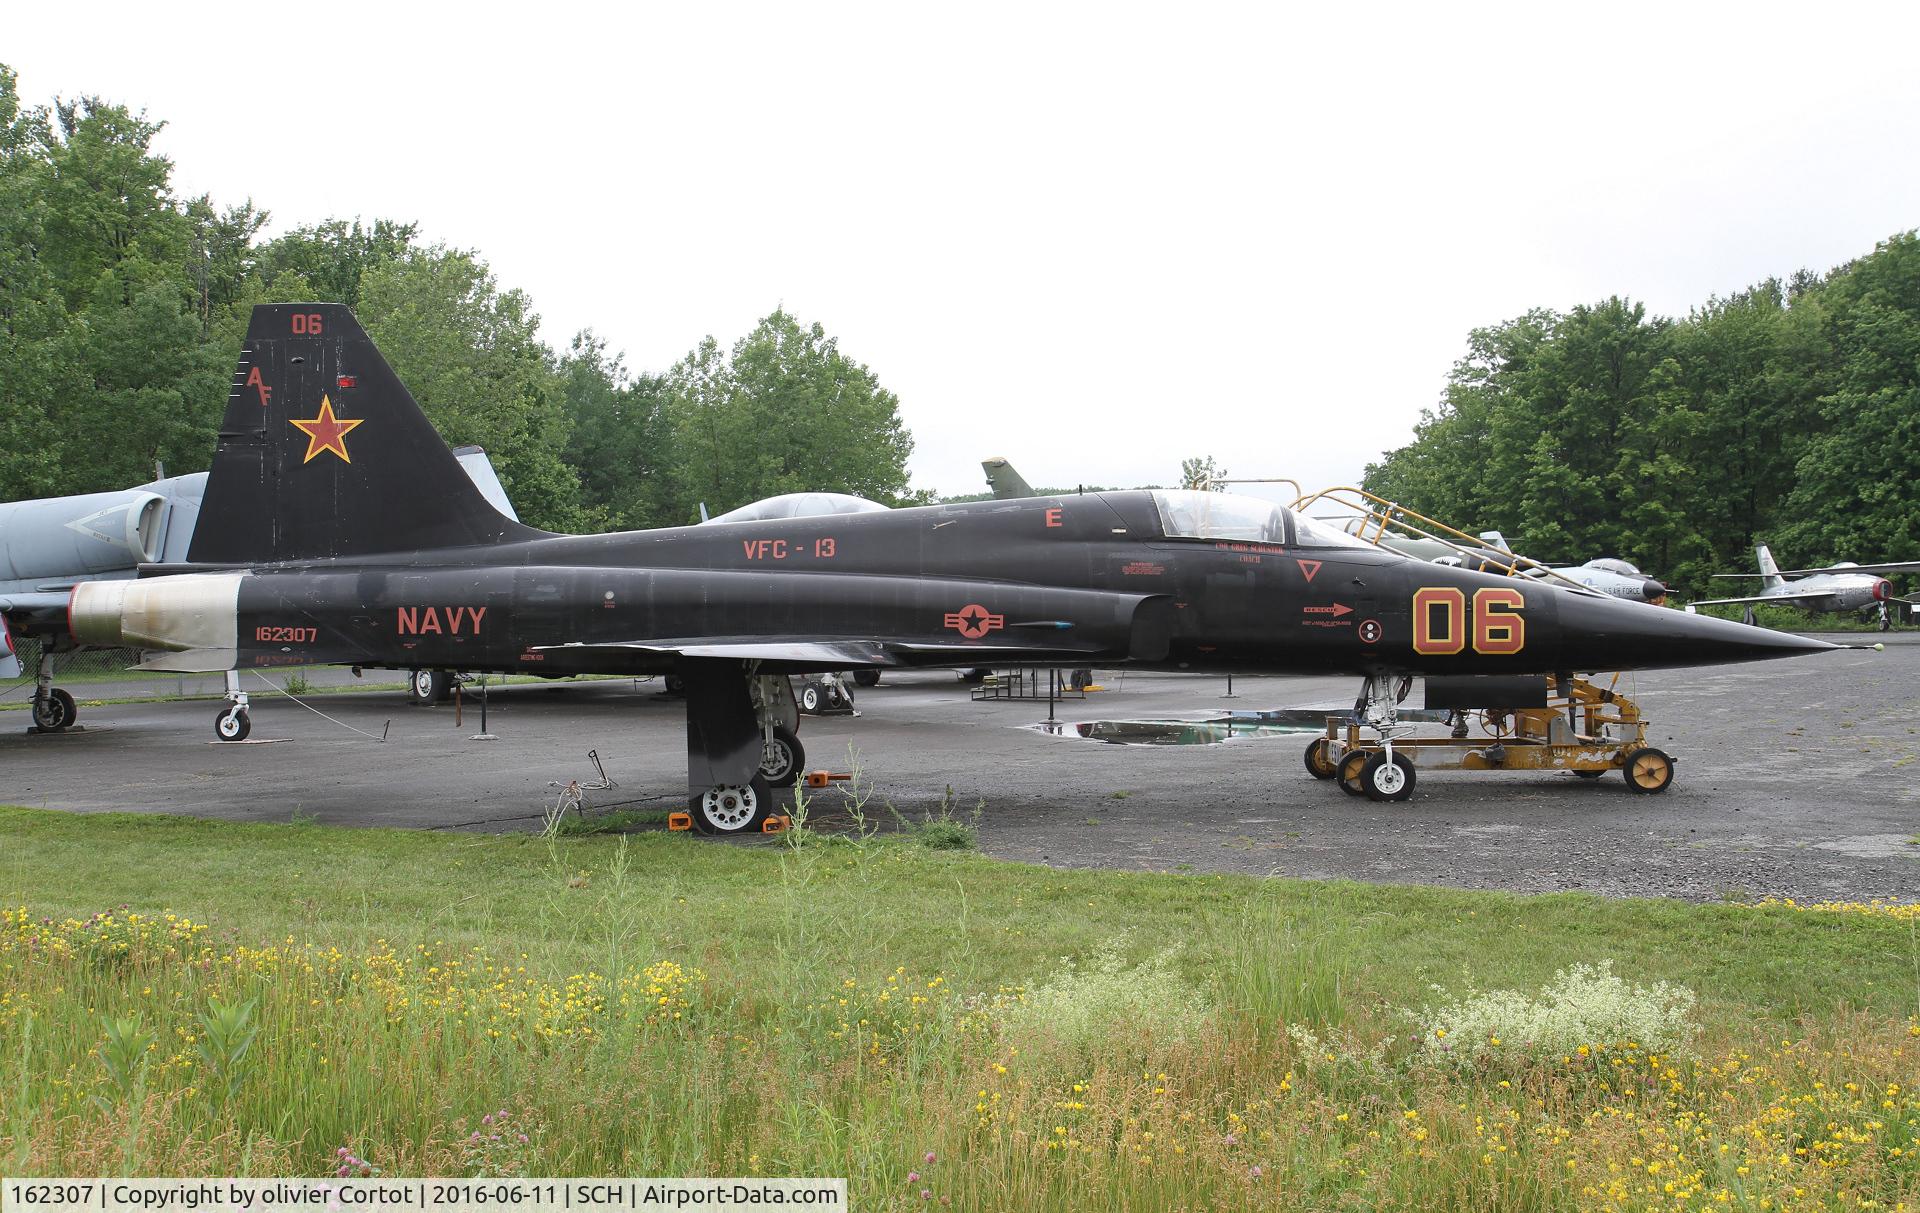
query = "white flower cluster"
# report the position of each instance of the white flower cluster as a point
(1584, 1008)
(1084, 1005)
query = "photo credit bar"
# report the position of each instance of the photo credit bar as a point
(383, 1195)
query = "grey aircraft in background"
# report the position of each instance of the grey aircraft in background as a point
(50, 545)
(1835, 589)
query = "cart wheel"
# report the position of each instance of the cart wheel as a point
(1384, 779)
(1318, 764)
(1589, 774)
(1648, 771)
(1349, 772)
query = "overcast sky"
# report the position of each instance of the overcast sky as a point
(1094, 239)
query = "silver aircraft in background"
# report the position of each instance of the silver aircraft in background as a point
(1835, 589)
(1605, 574)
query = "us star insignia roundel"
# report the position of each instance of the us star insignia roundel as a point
(326, 432)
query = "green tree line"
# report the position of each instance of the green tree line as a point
(123, 307)
(1788, 414)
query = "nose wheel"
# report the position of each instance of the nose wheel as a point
(1387, 777)
(54, 711)
(232, 724)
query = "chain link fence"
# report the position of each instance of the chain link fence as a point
(75, 669)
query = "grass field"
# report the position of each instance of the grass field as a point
(181, 997)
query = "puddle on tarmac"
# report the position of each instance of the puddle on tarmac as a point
(1209, 730)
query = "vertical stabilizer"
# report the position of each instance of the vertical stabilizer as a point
(1004, 481)
(323, 452)
(1770, 578)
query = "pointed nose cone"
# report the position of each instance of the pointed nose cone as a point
(1605, 634)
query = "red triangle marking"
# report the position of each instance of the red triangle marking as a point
(1308, 567)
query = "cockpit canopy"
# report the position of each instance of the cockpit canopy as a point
(799, 505)
(1609, 564)
(1190, 514)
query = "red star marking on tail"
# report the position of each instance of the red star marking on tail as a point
(327, 432)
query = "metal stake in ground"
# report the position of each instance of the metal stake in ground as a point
(483, 735)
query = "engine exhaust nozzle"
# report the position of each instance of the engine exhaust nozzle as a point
(185, 611)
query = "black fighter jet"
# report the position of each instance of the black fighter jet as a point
(337, 527)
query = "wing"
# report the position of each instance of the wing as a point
(1788, 597)
(833, 653)
(1894, 566)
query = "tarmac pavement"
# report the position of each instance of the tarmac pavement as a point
(1795, 778)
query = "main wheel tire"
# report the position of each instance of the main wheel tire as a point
(867, 678)
(674, 684)
(1649, 771)
(1318, 764)
(232, 725)
(1589, 774)
(732, 808)
(47, 714)
(782, 757)
(69, 711)
(809, 699)
(428, 687)
(1348, 773)
(1387, 779)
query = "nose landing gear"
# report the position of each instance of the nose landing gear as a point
(234, 721)
(53, 709)
(1582, 728)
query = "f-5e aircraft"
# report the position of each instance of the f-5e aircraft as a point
(1835, 589)
(338, 528)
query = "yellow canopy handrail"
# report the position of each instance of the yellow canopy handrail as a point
(1378, 514)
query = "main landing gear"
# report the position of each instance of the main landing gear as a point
(743, 741)
(53, 709)
(1583, 728)
(234, 722)
(428, 687)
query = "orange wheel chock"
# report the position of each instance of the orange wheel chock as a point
(776, 825)
(820, 779)
(679, 821)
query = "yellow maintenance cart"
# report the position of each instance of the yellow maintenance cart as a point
(1567, 724)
